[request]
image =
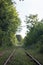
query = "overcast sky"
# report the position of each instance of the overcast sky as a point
(27, 7)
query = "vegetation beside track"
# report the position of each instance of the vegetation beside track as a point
(4, 53)
(36, 55)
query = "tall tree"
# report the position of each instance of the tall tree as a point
(9, 20)
(31, 20)
(35, 32)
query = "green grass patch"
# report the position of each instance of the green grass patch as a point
(4, 53)
(35, 54)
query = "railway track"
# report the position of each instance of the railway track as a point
(27, 54)
(32, 58)
(9, 58)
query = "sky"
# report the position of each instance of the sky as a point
(27, 7)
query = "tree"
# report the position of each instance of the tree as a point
(31, 20)
(35, 32)
(9, 20)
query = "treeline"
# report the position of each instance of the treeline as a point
(34, 37)
(9, 22)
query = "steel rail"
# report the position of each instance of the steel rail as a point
(36, 61)
(9, 57)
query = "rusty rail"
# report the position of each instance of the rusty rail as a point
(9, 57)
(36, 61)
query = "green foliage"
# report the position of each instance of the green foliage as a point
(31, 20)
(35, 36)
(14, 39)
(1, 34)
(9, 21)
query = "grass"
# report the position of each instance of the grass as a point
(35, 54)
(5, 52)
(20, 58)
